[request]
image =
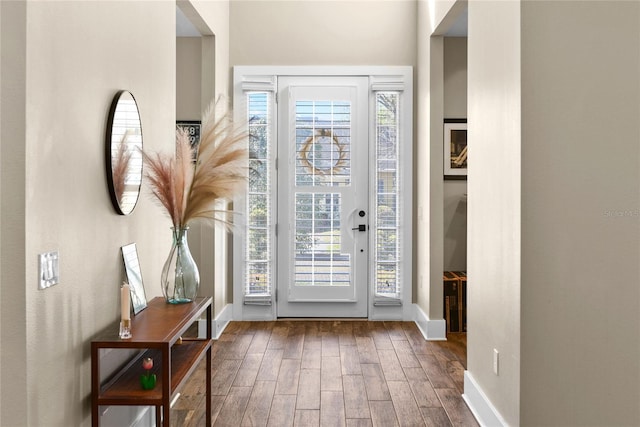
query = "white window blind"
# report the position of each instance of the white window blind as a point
(258, 287)
(387, 236)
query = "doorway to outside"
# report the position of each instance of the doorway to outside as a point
(327, 214)
(323, 198)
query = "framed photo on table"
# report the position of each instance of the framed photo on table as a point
(134, 277)
(455, 148)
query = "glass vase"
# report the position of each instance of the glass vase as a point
(180, 277)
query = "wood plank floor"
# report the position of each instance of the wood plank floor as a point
(329, 373)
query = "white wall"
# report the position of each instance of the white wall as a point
(276, 32)
(78, 56)
(188, 78)
(13, 324)
(212, 19)
(67, 61)
(580, 328)
(433, 19)
(494, 203)
(0, 210)
(376, 32)
(455, 77)
(554, 96)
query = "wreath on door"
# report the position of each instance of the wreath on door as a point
(313, 166)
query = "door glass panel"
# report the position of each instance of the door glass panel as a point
(323, 181)
(323, 143)
(387, 245)
(258, 251)
(319, 260)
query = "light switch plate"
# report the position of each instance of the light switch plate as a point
(48, 269)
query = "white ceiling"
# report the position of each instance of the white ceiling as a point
(184, 27)
(460, 27)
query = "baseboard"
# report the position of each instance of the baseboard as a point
(219, 323)
(432, 330)
(480, 405)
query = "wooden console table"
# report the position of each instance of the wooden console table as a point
(156, 331)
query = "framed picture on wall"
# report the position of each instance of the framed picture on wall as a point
(455, 148)
(193, 130)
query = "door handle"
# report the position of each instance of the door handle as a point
(361, 227)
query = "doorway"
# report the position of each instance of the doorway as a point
(327, 213)
(324, 197)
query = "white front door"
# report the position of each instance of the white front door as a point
(323, 200)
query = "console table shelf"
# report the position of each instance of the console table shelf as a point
(157, 332)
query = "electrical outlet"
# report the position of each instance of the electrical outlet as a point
(496, 361)
(48, 269)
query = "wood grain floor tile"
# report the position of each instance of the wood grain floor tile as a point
(259, 405)
(288, 377)
(283, 411)
(383, 414)
(330, 346)
(270, 365)
(395, 331)
(309, 389)
(457, 410)
(224, 377)
(239, 348)
(391, 365)
(331, 374)
(345, 334)
(234, 404)
(380, 336)
(435, 417)
(350, 360)
(216, 407)
(356, 404)
(332, 409)
(456, 373)
(311, 357)
(417, 341)
(295, 341)
(359, 422)
(405, 405)
(311, 329)
(405, 354)
(438, 376)
(326, 373)
(367, 350)
(278, 338)
(248, 371)
(307, 418)
(361, 328)
(374, 382)
(259, 342)
(423, 392)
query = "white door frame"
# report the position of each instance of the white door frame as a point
(381, 78)
(348, 300)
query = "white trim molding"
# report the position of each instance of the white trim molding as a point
(432, 330)
(219, 323)
(380, 78)
(486, 414)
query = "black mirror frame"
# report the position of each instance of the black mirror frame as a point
(108, 153)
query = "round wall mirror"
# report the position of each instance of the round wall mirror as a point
(124, 152)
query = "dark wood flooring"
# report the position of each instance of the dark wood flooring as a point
(329, 373)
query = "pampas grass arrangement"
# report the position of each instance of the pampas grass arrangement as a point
(189, 189)
(120, 167)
